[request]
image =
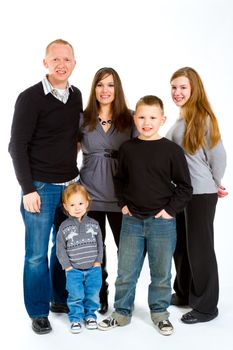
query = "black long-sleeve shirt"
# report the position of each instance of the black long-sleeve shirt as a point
(152, 175)
(44, 135)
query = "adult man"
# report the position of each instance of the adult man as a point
(43, 147)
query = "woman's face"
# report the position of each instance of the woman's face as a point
(105, 90)
(180, 90)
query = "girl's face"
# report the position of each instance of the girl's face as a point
(105, 90)
(180, 90)
(76, 205)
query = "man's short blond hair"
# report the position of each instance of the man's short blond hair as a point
(58, 41)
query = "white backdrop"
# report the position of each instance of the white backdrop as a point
(145, 41)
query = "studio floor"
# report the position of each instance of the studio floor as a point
(140, 334)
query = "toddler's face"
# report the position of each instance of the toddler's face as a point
(76, 205)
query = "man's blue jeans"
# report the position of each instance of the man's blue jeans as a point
(157, 237)
(42, 284)
(83, 293)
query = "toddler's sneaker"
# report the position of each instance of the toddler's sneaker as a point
(107, 323)
(76, 327)
(91, 323)
(165, 327)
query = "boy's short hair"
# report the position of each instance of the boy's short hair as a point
(58, 41)
(72, 189)
(150, 100)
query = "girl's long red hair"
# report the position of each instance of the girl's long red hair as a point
(197, 113)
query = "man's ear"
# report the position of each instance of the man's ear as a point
(45, 63)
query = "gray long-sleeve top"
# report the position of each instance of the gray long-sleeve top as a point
(206, 166)
(79, 244)
(100, 151)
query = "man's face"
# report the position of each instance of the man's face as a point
(60, 63)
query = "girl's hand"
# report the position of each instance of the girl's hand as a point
(222, 192)
(163, 214)
(125, 211)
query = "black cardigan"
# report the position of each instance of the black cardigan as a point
(44, 132)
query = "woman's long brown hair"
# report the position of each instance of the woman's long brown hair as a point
(121, 115)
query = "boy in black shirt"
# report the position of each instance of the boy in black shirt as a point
(152, 184)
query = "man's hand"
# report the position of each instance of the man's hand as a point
(31, 202)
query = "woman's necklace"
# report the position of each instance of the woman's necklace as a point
(105, 122)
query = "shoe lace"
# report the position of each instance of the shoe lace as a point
(109, 320)
(91, 320)
(76, 325)
(166, 323)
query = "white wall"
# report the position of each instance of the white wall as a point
(145, 41)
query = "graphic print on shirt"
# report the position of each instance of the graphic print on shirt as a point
(92, 229)
(71, 235)
(70, 232)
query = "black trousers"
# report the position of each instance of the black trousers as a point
(196, 267)
(115, 220)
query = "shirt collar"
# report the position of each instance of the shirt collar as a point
(48, 88)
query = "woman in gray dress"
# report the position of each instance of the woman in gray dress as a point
(107, 123)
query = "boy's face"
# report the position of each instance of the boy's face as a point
(76, 205)
(60, 63)
(148, 120)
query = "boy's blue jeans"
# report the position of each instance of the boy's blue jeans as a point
(83, 293)
(41, 283)
(157, 237)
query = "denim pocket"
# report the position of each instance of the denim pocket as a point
(39, 185)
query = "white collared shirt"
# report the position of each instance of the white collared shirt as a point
(61, 94)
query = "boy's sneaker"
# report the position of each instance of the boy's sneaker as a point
(76, 327)
(107, 323)
(165, 327)
(91, 323)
